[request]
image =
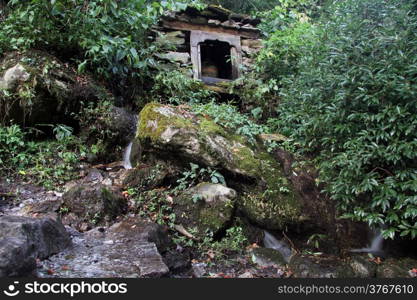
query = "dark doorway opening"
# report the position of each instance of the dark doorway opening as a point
(216, 60)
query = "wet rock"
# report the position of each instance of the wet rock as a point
(205, 207)
(93, 176)
(87, 206)
(270, 241)
(150, 262)
(317, 209)
(265, 257)
(396, 268)
(315, 267)
(23, 240)
(133, 228)
(128, 249)
(122, 124)
(46, 208)
(363, 267)
(177, 261)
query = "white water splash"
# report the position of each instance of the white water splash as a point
(126, 157)
(271, 242)
(376, 244)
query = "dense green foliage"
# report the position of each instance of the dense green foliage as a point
(244, 6)
(339, 78)
(351, 102)
(228, 117)
(47, 163)
(108, 36)
(176, 88)
(13, 150)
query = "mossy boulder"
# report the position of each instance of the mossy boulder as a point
(87, 206)
(175, 131)
(37, 88)
(205, 207)
(177, 134)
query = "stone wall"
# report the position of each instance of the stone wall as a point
(174, 33)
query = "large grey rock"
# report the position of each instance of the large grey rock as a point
(86, 206)
(129, 249)
(23, 240)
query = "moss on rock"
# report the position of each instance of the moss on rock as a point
(48, 92)
(206, 207)
(174, 133)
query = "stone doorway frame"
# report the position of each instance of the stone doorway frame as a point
(198, 37)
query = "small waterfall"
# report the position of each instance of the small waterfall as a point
(376, 244)
(271, 242)
(126, 157)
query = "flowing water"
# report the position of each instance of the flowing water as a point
(271, 242)
(126, 157)
(375, 246)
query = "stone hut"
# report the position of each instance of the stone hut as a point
(215, 44)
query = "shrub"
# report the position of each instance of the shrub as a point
(49, 163)
(176, 88)
(112, 35)
(287, 27)
(227, 116)
(14, 150)
(353, 104)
